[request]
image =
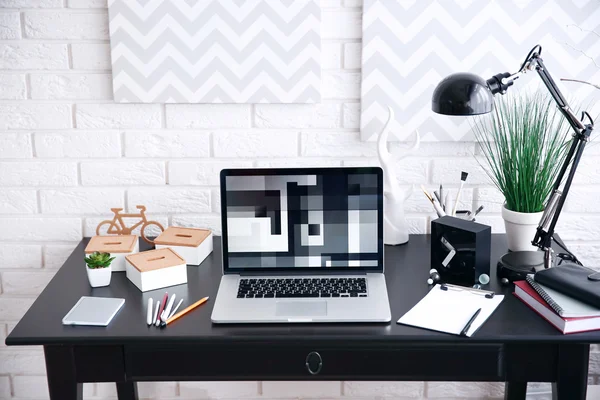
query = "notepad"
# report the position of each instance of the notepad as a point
(450, 310)
(93, 311)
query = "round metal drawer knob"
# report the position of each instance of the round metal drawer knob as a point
(314, 363)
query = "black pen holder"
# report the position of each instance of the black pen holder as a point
(460, 251)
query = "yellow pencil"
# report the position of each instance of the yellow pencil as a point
(427, 193)
(187, 310)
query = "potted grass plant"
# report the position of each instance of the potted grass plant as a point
(524, 143)
(98, 268)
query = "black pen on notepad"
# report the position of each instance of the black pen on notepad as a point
(468, 325)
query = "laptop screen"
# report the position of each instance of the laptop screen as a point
(302, 218)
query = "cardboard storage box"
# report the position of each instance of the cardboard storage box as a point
(156, 269)
(118, 247)
(193, 244)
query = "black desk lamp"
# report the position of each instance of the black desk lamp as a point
(468, 94)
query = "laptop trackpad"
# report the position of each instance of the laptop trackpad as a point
(301, 309)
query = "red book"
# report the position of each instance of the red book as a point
(529, 296)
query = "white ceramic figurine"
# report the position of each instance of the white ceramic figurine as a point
(395, 227)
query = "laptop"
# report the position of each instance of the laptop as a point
(302, 245)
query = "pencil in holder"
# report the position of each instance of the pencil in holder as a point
(461, 251)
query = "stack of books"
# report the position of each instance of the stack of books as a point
(567, 314)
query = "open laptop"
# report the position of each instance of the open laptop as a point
(302, 245)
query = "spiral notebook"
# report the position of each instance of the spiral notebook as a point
(448, 308)
(563, 305)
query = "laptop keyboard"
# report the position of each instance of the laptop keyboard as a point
(302, 287)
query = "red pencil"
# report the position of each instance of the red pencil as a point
(162, 307)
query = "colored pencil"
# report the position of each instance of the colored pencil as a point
(427, 193)
(187, 310)
(163, 304)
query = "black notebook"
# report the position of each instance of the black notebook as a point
(564, 305)
(572, 280)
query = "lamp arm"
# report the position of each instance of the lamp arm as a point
(499, 84)
(545, 230)
(537, 63)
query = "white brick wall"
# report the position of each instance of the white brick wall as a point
(34, 174)
(202, 173)
(167, 144)
(26, 256)
(208, 116)
(99, 173)
(65, 25)
(12, 85)
(90, 56)
(20, 55)
(297, 116)
(18, 201)
(35, 116)
(256, 143)
(219, 390)
(118, 116)
(71, 86)
(15, 145)
(293, 390)
(384, 389)
(77, 144)
(68, 154)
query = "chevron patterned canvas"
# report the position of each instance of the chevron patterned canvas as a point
(215, 51)
(410, 45)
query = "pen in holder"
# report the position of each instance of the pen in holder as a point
(460, 251)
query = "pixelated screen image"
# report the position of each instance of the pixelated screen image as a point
(330, 219)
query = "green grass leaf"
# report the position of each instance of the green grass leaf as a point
(525, 142)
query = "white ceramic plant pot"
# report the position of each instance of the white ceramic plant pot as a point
(520, 229)
(99, 277)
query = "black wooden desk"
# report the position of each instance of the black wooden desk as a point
(514, 346)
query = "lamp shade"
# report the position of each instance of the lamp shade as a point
(462, 94)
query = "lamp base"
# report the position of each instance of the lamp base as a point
(516, 265)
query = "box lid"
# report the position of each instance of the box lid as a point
(112, 244)
(155, 259)
(176, 236)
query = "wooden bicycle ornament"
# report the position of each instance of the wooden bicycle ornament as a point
(117, 226)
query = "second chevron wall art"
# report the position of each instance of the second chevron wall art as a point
(409, 46)
(216, 51)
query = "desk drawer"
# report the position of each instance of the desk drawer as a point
(271, 362)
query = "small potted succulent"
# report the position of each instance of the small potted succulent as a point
(98, 268)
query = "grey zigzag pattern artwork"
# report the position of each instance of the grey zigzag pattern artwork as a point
(409, 46)
(215, 51)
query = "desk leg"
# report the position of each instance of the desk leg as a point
(127, 390)
(60, 368)
(515, 390)
(572, 374)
